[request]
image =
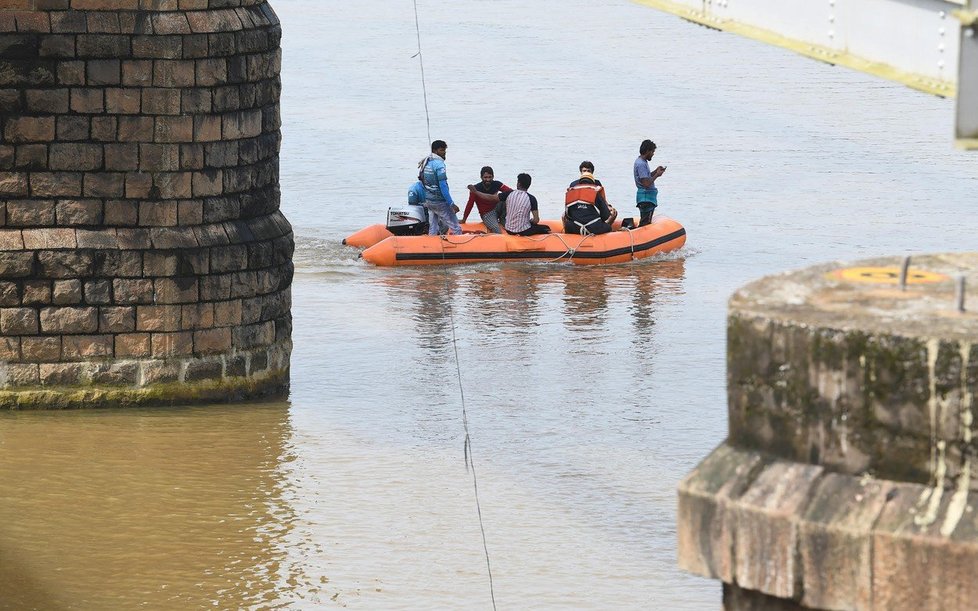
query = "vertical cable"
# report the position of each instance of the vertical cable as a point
(424, 87)
(467, 444)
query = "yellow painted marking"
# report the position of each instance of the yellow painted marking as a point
(886, 275)
(943, 88)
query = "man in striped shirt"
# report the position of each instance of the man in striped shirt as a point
(518, 207)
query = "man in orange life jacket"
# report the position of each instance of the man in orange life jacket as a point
(586, 209)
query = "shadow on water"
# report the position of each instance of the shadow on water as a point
(179, 508)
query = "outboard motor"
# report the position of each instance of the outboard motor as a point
(407, 219)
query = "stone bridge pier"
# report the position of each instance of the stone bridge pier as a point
(143, 256)
(846, 481)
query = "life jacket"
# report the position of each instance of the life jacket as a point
(582, 193)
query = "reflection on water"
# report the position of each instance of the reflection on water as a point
(172, 508)
(517, 299)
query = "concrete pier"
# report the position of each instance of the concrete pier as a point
(846, 479)
(143, 256)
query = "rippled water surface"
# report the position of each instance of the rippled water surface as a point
(589, 392)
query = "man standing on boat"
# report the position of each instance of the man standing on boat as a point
(522, 216)
(586, 209)
(438, 200)
(647, 197)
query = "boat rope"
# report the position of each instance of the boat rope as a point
(444, 238)
(467, 443)
(631, 242)
(570, 251)
(424, 87)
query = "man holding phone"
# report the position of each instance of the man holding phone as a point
(647, 195)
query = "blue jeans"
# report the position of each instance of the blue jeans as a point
(441, 215)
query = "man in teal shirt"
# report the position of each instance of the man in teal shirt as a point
(438, 200)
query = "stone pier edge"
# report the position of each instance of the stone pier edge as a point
(226, 378)
(813, 538)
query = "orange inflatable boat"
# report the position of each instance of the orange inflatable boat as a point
(662, 235)
(374, 234)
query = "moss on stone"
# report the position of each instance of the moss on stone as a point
(227, 390)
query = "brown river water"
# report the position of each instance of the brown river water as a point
(588, 391)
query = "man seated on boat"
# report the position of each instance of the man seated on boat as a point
(487, 210)
(519, 208)
(586, 210)
(438, 199)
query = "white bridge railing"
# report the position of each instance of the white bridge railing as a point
(930, 45)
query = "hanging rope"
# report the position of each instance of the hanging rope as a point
(467, 444)
(424, 87)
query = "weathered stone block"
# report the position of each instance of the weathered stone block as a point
(836, 549)
(66, 292)
(59, 320)
(766, 524)
(64, 263)
(9, 294)
(56, 184)
(158, 318)
(88, 101)
(159, 372)
(706, 533)
(227, 313)
(48, 101)
(37, 292)
(115, 374)
(161, 102)
(74, 347)
(174, 129)
(9, 349)
(133, 345)
(29, 213)
(78, 212)
(197, 316)
(98, 292)
(133, 291)
(29, 129)
(204, 370)
(16, 264)
(167, 345)
(49, 238)
(74, 128)
(158, 214)
(121, 213)
(60, 374)
(212, 341)
(11, 239)
(137, 73)
(97, 239)
(104, 72)
(41, 349)
(23, 374)
(13, 184)
(105, 129)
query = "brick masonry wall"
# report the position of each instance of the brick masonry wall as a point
(141, 241)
